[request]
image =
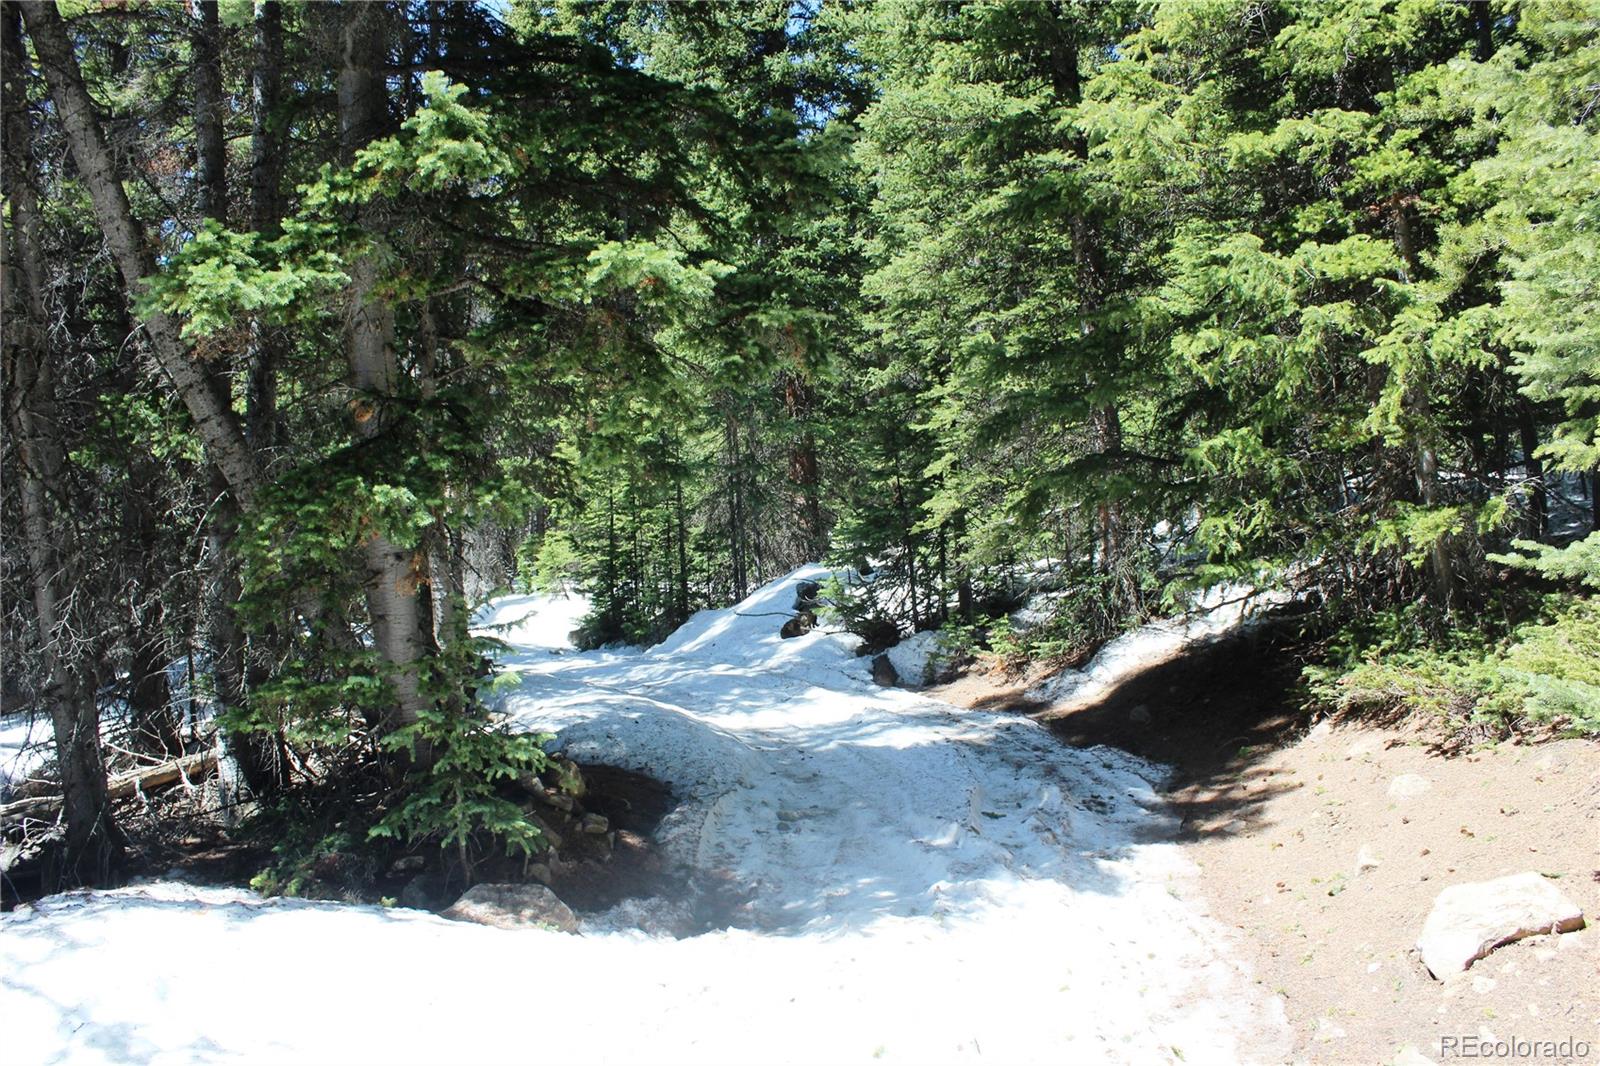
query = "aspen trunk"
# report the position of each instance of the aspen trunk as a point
(396, 576)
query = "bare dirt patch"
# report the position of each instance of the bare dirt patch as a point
(1326, 868)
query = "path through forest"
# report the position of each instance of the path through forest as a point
(895, 879)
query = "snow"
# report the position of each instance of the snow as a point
(1216, 612)
(900, 881)
(911, 656)
(26, 741)
(537, 621)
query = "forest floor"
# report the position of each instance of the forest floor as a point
(1326, 876)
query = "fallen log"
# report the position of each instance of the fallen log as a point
(120, 786)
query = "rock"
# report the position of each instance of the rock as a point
(884, 673)
(1410, 1055)
(1365, 860)
(1469, 921)
(539, 872)
(408, 864)
(1140, 715)
(1408, 786)
(512, 907)
(424, 892)
(534, 785)
(798, 626)
(569, 779)
(596, 824)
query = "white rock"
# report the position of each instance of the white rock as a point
(1365, 860)
(1408, 786)
(512, 907)
(1410, 1056)
(1469, 921)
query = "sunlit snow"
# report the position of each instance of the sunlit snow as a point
(906, 881)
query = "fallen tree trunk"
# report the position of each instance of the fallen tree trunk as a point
(121, 786)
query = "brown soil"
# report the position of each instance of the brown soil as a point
(1276, 812)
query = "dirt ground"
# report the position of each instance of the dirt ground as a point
(1326, 868)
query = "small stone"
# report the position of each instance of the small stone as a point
(1140, 715)
(1409, 786)
(802, 623)
(1410, 1056)
(1469, 921)
(408, 864)
(512, 907)
(539, 872)
(596, 824)
(559, 800)
(1365, 860)
(569, 778)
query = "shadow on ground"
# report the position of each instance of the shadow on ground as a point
(1211, 713)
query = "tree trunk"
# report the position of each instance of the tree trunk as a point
(683, 552)
(1105, 422)
(261, 393)
(92, 850)
(804, 470)
(256, 754)
(153, 719)
(213, 415)
(1528, 438)
(736, 541)
(1483, 22)
(396, 576)
(211, 157)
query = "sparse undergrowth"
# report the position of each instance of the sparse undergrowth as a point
(1541, 673)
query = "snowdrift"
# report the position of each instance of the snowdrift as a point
(1220, 612)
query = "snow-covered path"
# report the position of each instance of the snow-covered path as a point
(908, 882)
